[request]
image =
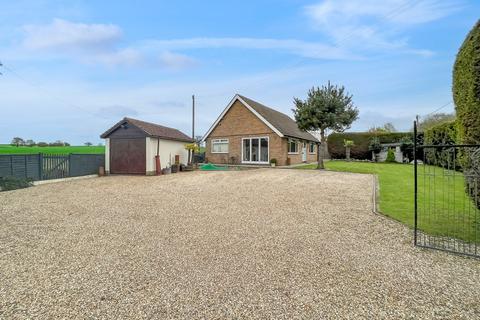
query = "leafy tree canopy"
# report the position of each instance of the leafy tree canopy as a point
(327, 108)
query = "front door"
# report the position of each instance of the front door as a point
(304, 152)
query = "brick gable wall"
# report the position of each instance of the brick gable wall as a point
(238, 123)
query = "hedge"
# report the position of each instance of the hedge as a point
(466, 94)
(445, 133)
(466, 88)
(362, 140)
(442, 134)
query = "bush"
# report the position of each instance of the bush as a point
(361, 150)
(390, 156)
(466, 88)
(273, 160)
(407, 147)
(466, 94)
(445, 133)
(12, 183)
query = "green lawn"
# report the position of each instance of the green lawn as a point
(444, 207)
(8, 149)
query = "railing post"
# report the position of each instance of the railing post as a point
(40, 166)
(69, 165)
(415, 180)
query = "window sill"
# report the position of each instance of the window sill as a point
(255, 162)
(219, 152)
(293, 153)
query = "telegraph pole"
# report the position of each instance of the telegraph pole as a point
(193, 125)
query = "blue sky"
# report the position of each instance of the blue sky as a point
(72, 69)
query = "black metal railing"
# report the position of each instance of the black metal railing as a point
(447, 198)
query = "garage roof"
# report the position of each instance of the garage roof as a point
(150, 129)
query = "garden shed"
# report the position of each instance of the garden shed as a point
(131, 146)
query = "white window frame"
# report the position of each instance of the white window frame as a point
(296, 143)
(220, 141)
(310, 149)
(259, 148)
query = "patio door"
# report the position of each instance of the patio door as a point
(255, 150)
(304, 152)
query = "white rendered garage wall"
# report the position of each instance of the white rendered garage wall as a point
(107, 155)
(168, 150)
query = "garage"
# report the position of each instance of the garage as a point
(131, 147)
(127, 155)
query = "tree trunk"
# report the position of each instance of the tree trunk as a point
(347, 153)
(320, 147)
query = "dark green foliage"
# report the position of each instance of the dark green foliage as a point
(390, 156)
(445, 133)
(407, 146)
(375, 145)
(12, 183)
(361, 150)
(466, 88)
(327, 108)
(466, 94)
(442, 134)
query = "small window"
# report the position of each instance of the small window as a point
(220, 146)
(292, 146)
(312, 147)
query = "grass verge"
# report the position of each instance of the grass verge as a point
(444, 207)
(8, 149)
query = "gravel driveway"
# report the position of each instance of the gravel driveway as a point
(278, 244)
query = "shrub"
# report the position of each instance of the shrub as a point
(390, 156)
(375, 145)
(466, 94)
(466, 87)
(273, 160)
(445, 133)
(407, 146)
(362, 142)
(12, 183)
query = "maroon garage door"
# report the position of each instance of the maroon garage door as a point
(127, 156)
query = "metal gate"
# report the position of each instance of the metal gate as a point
(447, 197)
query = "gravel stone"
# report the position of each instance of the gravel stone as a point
(255, 244)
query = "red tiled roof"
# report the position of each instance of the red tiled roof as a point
(151, 129)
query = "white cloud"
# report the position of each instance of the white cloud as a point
(62, 34)
(302, 48)
(176, 61)
(123, 57)
(373, 24)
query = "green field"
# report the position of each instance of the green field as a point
(8, 149)
(444, 207)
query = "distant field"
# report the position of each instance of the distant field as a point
(8, 149)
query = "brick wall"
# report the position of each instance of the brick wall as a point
(240, 123)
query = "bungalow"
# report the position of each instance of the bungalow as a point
(247, 132)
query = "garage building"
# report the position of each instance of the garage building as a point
(131, 146)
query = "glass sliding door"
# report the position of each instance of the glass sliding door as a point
(255, 150)
(255, 153)
(246, 150)
(264, 150)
